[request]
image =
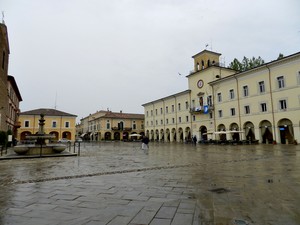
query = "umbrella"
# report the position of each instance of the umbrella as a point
(135, 135)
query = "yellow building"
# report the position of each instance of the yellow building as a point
(108, 125)
(59, 123)
(261, 104)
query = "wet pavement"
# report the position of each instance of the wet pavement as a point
(175, 184)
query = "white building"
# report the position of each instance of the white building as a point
(261, 104)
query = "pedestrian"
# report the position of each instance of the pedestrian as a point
(195, 140)
(145, 142)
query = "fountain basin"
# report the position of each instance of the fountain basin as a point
(21, 149)
(58, 148)
(39, 150)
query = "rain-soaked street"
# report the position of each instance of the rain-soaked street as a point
(116, 183)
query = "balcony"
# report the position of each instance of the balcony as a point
(17, 124)
(201, 109)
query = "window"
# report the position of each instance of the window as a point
(220, 113)
(142, 126)
(107, 125)
(219, 97)
(161, 122)
(179, 119)
(173, 108)
(179, 107)
(232, 111)
(173, 120)
(156, 112)
(26, 124)
(67, 124)
(186, 105)
(161, 111)
(282, 104)
(280, 81)
(247, 109)
(261, 85)
(298, 77)
(194, 118)
(147, 113)
(134, 125)
(167, 109)
(156, 123)
(54, 124)
(187, 118)
(193, 103)
(263, 107)
(231, 94)
(167, 121)
(209, 100)
(151, 112)
(210, 115)
(245, 91)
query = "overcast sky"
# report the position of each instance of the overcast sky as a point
(87, 55)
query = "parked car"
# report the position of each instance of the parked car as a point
(64, 141)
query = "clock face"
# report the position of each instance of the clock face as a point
(200, 83)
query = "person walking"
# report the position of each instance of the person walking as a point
(145, 142)
(195, 140)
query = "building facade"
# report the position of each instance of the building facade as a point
(14, 99)
(4, 48)
(258, 105)
(10, 96)
(108, 125)
(59, 123)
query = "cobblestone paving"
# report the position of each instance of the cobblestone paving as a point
(117, 183)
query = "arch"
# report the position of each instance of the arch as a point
(117, 136)
(203, 133)
(266, 131)
(235, 135)
(151, 135)
(221, 127)
(162, 136)
(188, 135)
(107, 136)
(173, 131)
(286, 131)
(249, 131)
(56, 135)
(24, 134)
(156, 135)
(66, 134)
(180, 134)
(168, 134)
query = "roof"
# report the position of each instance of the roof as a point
(47, 112)
(122, 115)
(13, 82)
(170, 96)
(274, 62)
(206, 51)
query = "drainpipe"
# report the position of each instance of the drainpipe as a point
(214, 114)
(272, 106)
(238, 98)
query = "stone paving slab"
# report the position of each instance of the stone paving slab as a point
(116, 183)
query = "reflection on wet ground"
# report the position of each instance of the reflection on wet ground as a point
(254, 184)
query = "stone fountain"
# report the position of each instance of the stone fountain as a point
(40, 146)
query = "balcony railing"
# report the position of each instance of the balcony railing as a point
(202, 109)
